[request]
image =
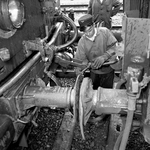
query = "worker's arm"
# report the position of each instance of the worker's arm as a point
(111, 44)
(89, 11)
(111, 52)
(116, 7)
(81, 55)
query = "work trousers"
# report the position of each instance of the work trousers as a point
(102, 80)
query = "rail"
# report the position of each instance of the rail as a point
(79, 7)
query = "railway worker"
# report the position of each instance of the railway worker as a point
(103, 10)
(96, 45)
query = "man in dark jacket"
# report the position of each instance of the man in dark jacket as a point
(103, 10)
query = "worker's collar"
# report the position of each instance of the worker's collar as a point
(89, 30)
(92, 38)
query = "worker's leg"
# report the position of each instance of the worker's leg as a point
(106, 80)
(102, 80)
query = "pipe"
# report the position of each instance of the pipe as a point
(120, 83)
(134, 75)
(29, 64)
(127, 129)
(47, 96)
(58, 27)
(118, 141)
(53, 77)
(122, 139)
(131, 109)
(53, 39)
(64, 17)
(15, 78)
(129, 117)
(57, 82)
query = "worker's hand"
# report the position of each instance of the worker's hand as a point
(79, 70)
(98, 62)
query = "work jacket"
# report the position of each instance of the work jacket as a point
(102, 12)
(88, 50)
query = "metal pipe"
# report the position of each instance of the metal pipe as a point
(47, 96)
(118, 141)
(120, 83)
(19, 74)
(126, 130)
(64, 17)
(59, 25)
(29, 64)
(53, 77)
(129, 120)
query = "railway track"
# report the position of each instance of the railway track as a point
(79, 8)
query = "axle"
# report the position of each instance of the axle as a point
(101, 100)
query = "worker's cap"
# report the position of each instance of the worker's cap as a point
(85, 20)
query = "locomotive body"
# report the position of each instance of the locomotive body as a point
(20, 21)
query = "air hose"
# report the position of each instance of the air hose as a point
(124, 135)
(120, 83)
(118, 141)
(127, 130)
(52, 77)
(72, 24)
(122, 139)
(57, 82)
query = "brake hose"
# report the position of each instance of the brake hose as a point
(126, 132)
(122, 139)
(70, 21)
(127, 129)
